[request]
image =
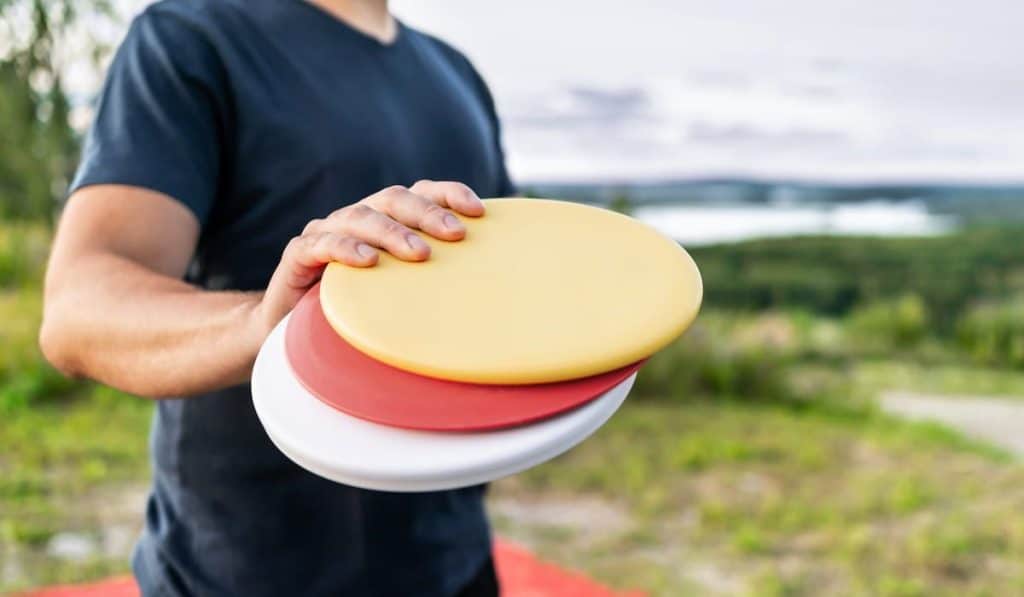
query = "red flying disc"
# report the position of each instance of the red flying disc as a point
(338, 374)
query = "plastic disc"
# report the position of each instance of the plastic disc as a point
(539, 291)
(356, 452)
(335, 372)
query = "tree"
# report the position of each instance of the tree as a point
(38, 146)
(621, 203)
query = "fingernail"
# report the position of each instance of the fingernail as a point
(365, 250)
(415, 242)
(452, 222)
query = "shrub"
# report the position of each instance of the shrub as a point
(25, 377)
(701, 365)
(833, 275)
(36, 383)
(895, 323)
(993, 332)
(23, 250)
(621, 204)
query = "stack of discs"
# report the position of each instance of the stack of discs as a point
(500, 352)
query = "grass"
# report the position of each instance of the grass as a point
(67, 449)
(748, 461)
(59, 462)
(769, 500)
(23, 248)
(25, 377)
(949, 378)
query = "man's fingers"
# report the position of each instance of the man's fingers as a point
(387, 218)
(374, 228)
(312, 251)
(454, 195)
(418, 212)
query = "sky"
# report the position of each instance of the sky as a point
(836, 90)
(868, 90)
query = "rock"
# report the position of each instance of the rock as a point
(72, 546)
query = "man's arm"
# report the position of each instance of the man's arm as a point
(117, 311)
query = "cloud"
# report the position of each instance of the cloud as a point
(724, 79)
(780, 123)
(577, 106)
(749, 135)
(611, 102)
(902, 89)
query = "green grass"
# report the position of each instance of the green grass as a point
(58, 463)
(748, 461)
(23, 249)
(67, 449)
(787, 501)
(25, 377)
(951, 378)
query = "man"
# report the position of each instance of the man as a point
(238, 146)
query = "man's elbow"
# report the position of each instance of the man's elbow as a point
(55, 344)
(62, 348)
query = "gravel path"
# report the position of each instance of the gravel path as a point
(999, 421)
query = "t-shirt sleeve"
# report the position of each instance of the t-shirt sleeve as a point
(506, 188)
(158, 123)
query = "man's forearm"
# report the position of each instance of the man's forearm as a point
(114, 321)
(117, 312)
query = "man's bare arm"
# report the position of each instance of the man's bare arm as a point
(117, 311)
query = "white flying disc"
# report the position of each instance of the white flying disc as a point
(356, 452)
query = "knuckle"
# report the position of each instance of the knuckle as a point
(334, 245)
(393, 228)
(298, 246)
(433, 210)
(294, 244)
(394, 190)
(348, 243)
(312, 225)
(314, 240)
(358, 211)
(463, 189)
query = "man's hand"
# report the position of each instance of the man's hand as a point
(353, 235)
(117, 310)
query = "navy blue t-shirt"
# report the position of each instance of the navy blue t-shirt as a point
(259, 115)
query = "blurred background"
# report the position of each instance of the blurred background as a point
(846, 415)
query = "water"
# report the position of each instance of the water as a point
(707, 224)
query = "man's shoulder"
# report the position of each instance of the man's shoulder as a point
(193, 17)
(194, 9)
(196, 34)
(450, 52)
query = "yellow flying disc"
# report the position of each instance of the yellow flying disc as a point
(538, 291)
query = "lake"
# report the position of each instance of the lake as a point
(695, 224)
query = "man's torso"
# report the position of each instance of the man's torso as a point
(312, 116)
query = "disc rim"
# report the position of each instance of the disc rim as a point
(344, 378)
(574, 427)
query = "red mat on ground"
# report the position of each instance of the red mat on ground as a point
(521, 574)
(343, 377)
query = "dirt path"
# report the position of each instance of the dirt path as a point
(999, 421)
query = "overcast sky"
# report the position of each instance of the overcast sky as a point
(891, 89)
(844, 89)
